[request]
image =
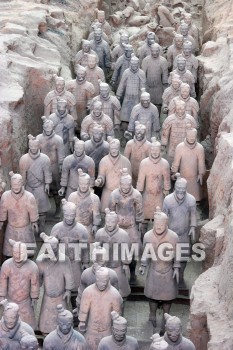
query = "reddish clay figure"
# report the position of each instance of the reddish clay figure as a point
(191, 105)
(12, 328)
(52, 145)
(174, 129)
(119, 50)
(184, 75)
(173, 335)
(57, 278)
(109, 171)
(174, 50)
(64, 336)
(129, 89)
(145, 113)
(102, 49)
(180, 204)
(29, 342)
(91, 35)
(96, 116)
(158, 343)
(192, 29)
(155, 67)
(145, 49)
(122, 63)
(97, 147)
(94, 73)
(83, 91)
(105, 26)
(82, 55)
(87, 205)
(137, 149)
(113, 235)
(35, 168)
(118, 339)
(98, 300)
(71, 164)
(184, 30)
(162, 277)
(21, 226)
(88, 277)
(60, 93)
(64, 125)
(19, 282)
(189, 160)
(169, 93)
(191, 60)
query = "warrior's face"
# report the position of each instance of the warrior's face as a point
(104, 91)
(134, 66)
(184, 29)
(181, 64)
(140, 133)
(101, 17)
(16, 185)
(86, 47)
(114, 149)
(111, 222)
(125, 185)
(179, 40)
(187, 49)
(60, 85)
(102, 280)
(145, 101)
(81, 76)
(150, 39)
(10, 318)
(160, 225)
(175, 83)
(19, 253)
(180, 190)
(124, 39)
(84, 184)
(173, 331)
(34, 146)
(119, 331)
(180, 109)
(79, 148)
(155, 151)
(48, 128)
(69, 217)
(97, 110)
(155, 51)
(188, 19)
(65, 324)
(191, 136)
(128, 52)
(92, 62)
(185, 91)
(61, 107)
(98, 34)
(97, 135)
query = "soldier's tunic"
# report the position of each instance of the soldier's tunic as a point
(18, 226)
(95, 309)
(19, 283)
(174, 131)
(12, 337)
(129, 90)
(54, 148)
(76, 233)
(50, 102)
(94, 75)
(189, 160)
(191, 64)
(111, 107)
(56, 340)
(191, 106)
(64, 127)
(36, 172)
(87, 210)
(169, 94)
(181, 344)
(109, 172)
(90, 121)
(57, 277)
(117, 52)
(160, 284)
(186, 77)
(146, 116)
(105, 26)
(96, 151)
(102, 50)
(121, 65)
(172, 52)
(82, 57)
(108, 343)
(156, 71)
(153, 178)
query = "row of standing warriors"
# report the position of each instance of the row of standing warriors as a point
(130, 189)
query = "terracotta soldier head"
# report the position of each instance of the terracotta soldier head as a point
(180, 187)
(102, 278)
(184, 29)
(114, 147)
(155, 149)
(124, 38)
(181, 63)
(64, 320)
(111, 220)
(180, 109)
(86, 46)
(150, 38)
(128, 50)
(187, 48)
(20, 254)
(134, 64)
(100, 16)
(34, 145)
(191, 135)
(16, 182)
(80, 74)
(48, 126)
(125, 181)
(91, 61)
(160, 222)
(29, 342)
(79, 147)
(97, 133)
(145, 98)
(173, 328)
(158, 343)
(119, 327)
(84, 182)
(98, 33)
(10, 315)
(61, 107)
(52, 241)
(69, 212)
(140, 131)
(188, 18)
(179, 41)
(184, 90)
(175, 82)
(155, 50)
(97, 109)
(104, 90)
(59, 84)
(99, 256)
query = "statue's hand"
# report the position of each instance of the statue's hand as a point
(126, 271)
(166, 193)
(1, 224)
(94, 229)
(98, 182)
(71, 146)
(67, 296)
(46, 189)
(192, 233)
(33, 303)
(128, 135)
(82, 327)
(176, 274)
(142, 270)
(85, 266)
(61, 192)
(35, 227)
(200, 179)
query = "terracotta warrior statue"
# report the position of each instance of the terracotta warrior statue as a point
(60, 93)
(153, 181)
(189, 160)
(118, 339)
(64, 336)
(137, 149)
(109, 171)
(184, 30)
(91, 35)
(158, 343)
(122, 63)
(12, 328)
(2, 184)
(145, 49)
(169, 93)
(162, 278)
(129, 89)
(83, 90)
(110, 104)
(119, 50)
(180, 204)
(19, 282)
(87, 206)
(52, 145)
(23, 225)
(105, 26)
(82, 55)
(191, 60)
(97, 147)
(113, 235)
(191, 105)
(35, 168)
(71, 164)
(64, 125)
(173, 335)
(29, 342)
(174, 50)
(174, 129)
(57, 278)
(97, 116)
(94, 73)
(72, 231)
(155, 67)
(98, 300)
(192, 28)
(145, 113)
(88, 277)
(102, 49)
(184, 75)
